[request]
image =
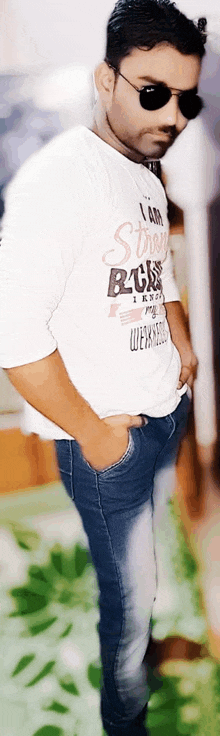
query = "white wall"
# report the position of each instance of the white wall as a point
(37, 34)
(52, 33)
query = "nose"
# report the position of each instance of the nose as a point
(171, 111)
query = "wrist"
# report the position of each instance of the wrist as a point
(89, 430)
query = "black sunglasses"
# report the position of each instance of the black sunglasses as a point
(155, 96)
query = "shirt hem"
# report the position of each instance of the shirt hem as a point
(167, 408)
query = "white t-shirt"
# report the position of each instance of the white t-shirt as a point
(85, 268)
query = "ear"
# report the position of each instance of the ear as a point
(105, 81)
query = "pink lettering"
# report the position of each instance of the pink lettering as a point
(163, 241)
(122, 242)
(141, 230)
(152, 247)
(113, 310)
(156, 242)
(148, 239)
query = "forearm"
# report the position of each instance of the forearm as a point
(178, 325)
(45, 384)
(180, 336)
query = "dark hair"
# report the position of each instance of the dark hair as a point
(146, 23)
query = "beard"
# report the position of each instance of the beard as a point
(146, 145)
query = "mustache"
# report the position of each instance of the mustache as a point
(169, 130)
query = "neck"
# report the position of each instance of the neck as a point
(102, 127)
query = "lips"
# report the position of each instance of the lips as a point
(164, 138)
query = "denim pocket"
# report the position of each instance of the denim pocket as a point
(65, 464)
(127, 454)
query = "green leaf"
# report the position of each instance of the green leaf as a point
(56, 559)
(168, 730)
(68, 685)
(68, 566)
(49, 731)
(23, 662)
(161, 717)
(13, 614)
(66, 597)
(39, 573)
(38, 587)
(82, 559)
(38, 582)
(38, 628)
(45, 671)
(27, 601)
(25, 537)
(36, 572)
(58, 707)
(94, 675)
(154, 679)
(66, 631)
(23, 545)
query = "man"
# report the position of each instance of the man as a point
(94, 335)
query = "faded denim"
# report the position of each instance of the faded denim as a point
(116, 506)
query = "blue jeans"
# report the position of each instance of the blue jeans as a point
(117, 507)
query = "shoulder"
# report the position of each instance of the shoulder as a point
(70, 160)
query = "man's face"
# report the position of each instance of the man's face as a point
(140, 133)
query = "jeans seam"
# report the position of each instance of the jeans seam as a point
(173, 428)
(169, 416)
(152, 498)
(119, 584)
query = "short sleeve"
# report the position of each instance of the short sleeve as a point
(41, 237)
(170, 289)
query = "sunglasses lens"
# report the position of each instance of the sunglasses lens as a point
(190, 105)
(155, 97)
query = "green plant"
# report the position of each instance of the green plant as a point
(56, 611)
(188, 701)
(51, 647)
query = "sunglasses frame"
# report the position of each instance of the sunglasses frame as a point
(178, 94)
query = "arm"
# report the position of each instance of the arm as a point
(42, 236)
(45, 384)
(180, 336)
(175, 214)
(178, 324)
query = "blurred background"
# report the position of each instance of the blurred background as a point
(49, 643)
